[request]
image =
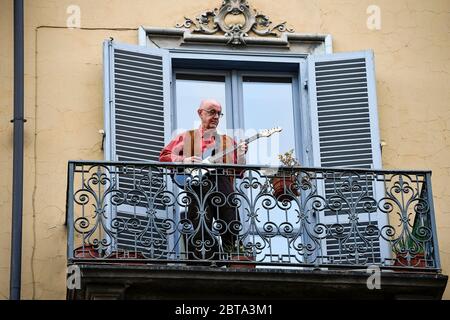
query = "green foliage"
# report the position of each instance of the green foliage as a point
(237, 249)
(288, 159)
(413, 242)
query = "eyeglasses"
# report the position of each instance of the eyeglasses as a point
(214, 112)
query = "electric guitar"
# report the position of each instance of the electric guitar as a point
(193, 173)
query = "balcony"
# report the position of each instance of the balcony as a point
(159, 230)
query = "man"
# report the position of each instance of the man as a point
(189, 147)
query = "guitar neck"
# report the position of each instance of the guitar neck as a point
(223, 153)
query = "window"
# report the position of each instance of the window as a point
(325, 103)
(268, 102)
(257, 101)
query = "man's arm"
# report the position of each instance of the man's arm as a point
(239, 155)
(239, 151)
(173, 152)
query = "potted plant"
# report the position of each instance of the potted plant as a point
(411, 247)
(403, 251)
(282, 185)
(87, 251)
(240, 253)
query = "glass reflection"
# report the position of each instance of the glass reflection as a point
(190, 91)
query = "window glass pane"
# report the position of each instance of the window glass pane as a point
(268, 103)
(190, 91)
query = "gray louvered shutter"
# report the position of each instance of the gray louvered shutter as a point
(345, 134)
(137, 124)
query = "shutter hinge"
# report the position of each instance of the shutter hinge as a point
(102, 132)
(110, 42)
(382, 144)
(305, 84)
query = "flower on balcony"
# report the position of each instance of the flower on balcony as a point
(288, 159)
(283, 187)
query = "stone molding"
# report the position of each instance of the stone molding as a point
(235, 20)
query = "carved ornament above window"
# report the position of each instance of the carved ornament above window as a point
(235, 19)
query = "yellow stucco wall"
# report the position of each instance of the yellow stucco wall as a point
(64, 104)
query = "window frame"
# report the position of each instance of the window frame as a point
(294, 65)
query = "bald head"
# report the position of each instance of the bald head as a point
(208, 103)
(209, 112)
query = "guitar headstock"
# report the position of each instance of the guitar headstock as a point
(269, 132)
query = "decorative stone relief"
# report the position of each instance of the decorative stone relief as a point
(235, 19)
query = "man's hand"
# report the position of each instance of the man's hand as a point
(242, 149)
(193, 159)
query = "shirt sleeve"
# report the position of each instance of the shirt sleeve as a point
(173, 152)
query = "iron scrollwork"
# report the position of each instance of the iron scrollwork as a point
(324, 216)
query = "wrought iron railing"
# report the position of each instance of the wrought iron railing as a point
(255, 216)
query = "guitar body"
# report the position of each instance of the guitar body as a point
(190, 174)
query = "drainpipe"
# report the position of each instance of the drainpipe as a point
(17, 194)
